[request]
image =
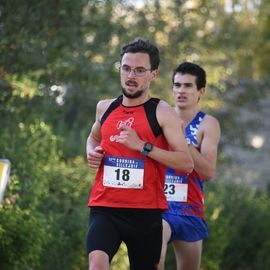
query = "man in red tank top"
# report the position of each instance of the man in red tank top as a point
(130, 144)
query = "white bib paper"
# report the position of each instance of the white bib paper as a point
(123, 172)
(176, 186)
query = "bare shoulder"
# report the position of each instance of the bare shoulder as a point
(210, 125)
(165, 113)
(102, 106)
(210, 121)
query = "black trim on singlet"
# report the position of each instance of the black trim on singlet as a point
(112, 107)
(150, 108)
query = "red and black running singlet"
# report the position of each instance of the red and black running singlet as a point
(125, 178)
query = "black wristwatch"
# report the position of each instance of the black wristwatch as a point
(148, 147)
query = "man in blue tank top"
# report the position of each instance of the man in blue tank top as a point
(183, 223)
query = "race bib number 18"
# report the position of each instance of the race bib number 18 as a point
(123, 172)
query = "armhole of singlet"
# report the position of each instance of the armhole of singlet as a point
(112, 107)
(150, 108)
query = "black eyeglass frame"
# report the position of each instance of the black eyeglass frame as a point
(135, 70)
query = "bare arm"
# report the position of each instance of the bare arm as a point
(179, 157)
(205, 160)
(94, 151)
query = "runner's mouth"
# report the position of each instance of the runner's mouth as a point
(181, 98)
(131, 83)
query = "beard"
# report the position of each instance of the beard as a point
(135, 95)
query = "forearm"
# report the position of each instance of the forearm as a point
(91, 144)
(204, 167)
(179, 160)
(95, 152)
(94, 138)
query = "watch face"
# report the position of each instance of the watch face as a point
(148, 147)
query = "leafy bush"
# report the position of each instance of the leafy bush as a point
(239, 221)
(23, 234)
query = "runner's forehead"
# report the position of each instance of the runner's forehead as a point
(184, 78)
(136, 60)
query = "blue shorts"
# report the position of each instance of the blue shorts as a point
(186, 228)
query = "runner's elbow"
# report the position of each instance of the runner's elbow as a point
(190, 167)
(208, 174)
(186, 166)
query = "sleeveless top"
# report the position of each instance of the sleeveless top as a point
(184, 192)
(125, 178)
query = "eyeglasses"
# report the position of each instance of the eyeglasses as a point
(138, 71)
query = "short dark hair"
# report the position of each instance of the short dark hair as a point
(143, 46)
(192, 69)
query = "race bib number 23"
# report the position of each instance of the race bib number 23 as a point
(176, 186)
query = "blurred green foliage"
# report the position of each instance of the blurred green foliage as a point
(57, 60)
(239, 221)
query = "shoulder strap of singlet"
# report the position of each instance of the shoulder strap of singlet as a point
(192, 128)
(150, 108)
(197, 119)
(112, 107)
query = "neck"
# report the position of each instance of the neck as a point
(186, 115)
(130, 102)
